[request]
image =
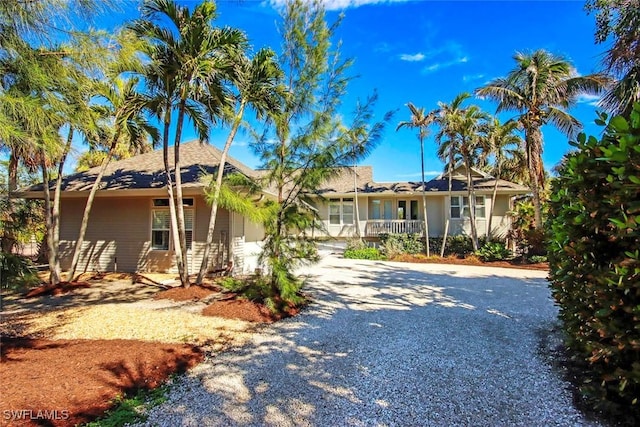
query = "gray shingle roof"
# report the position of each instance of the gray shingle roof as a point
(343, 184)
(146, 171)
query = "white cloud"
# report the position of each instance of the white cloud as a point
(412, 58)
(472, 77)
(589, 99)
(339, 4)
(446, 64)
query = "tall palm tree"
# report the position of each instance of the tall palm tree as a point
(504, 144)
(446, 118)
(126, 109)
(421, 121)
(468, 128)
(540, 88)
(189, 61)
(619, 22)
(258, 87)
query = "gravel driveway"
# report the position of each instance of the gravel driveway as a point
(390, 344)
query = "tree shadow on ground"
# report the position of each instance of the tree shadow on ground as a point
(388, 344)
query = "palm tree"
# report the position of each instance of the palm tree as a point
(421, 121)
(186, 75)
(446, 117)
(126, 109)
(258, 84)
(504, 144)
(540, 88)
(468, 127)
(619, 22)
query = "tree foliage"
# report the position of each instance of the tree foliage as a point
(619, 21)
(305, 141)
(594, 222)
(540, 88)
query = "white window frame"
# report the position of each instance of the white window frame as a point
(462, 204)
(341, 211)
(157, 205)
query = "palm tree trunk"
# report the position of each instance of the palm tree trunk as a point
(449, 172)
(216, 194)
(87, 209)
(8, 231)
(424, 202)
(536, 171)
(55, 209)
(172, 206)
(182, 235)
(355, 201)
(493, 202)
(471, 194)
(54, 274)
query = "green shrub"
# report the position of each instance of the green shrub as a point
(363, 253)
(16, 272)
(594, 258)
(396, 244)
(538, 258)
(493, 251)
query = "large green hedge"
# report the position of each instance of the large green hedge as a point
(594, 257)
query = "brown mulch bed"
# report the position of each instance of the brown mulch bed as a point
(80, 378)
(245, 309)
(192, 293)
(60, 288)
(472, 260)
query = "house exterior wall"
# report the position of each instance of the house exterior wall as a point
(119, 236)
(438, 208)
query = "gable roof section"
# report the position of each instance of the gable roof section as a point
(146, 171)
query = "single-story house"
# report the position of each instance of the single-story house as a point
(396, 207)
(129, 225)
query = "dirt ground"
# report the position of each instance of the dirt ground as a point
(470, 260)
(66, 382)
(66, 355)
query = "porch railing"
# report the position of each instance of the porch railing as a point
(397, 226)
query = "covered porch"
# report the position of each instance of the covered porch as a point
(376, 227)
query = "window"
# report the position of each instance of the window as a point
(402, 209)
(334, 211)
(375, 209)
(340, 211)
(459, 211)
(188, 227)
(455, 207)
(414, 209)
(347, 211)
(160, 226)
(387, 209)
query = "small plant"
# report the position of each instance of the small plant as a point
(535, 259)
(16, 272)
(129, 410)
(396, 244)
(493, 251)
(364, 253)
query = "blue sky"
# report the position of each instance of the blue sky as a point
(424, 52)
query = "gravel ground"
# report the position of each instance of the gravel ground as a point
(390, 344)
